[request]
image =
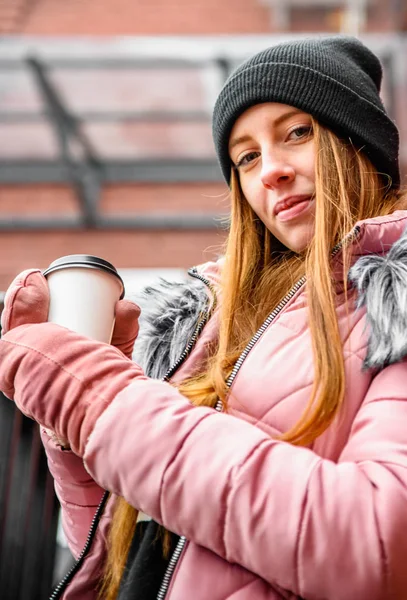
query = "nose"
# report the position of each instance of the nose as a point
(276, 171)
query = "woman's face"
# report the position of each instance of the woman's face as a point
(272, 148)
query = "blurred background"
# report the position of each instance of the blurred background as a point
(105, 148)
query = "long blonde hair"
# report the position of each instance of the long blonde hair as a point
(347, 189)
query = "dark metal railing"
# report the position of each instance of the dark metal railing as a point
(79, 163)
(28, 509)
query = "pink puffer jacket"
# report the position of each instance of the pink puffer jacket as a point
(264, 520)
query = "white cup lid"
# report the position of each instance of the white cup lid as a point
(84, 260)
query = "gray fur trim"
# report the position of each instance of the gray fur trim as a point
(382, 285)
(171, 310)
(169, 315)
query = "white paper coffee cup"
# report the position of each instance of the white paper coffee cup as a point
(84, 290)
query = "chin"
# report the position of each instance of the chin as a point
(297, 246)
(298, 241)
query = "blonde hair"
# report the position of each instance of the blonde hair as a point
(347, 189)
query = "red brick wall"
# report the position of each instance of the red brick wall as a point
(125, 249)
(210, 198)
(179, 17)
(135, 17)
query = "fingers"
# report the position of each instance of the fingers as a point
(126, 326)
(26, 300)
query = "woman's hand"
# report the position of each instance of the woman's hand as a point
(26, 303)
(26, 300)
(126, 326)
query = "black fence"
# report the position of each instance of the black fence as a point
(28, 510)
(31, 560)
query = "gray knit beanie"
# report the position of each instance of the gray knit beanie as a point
(336, 80)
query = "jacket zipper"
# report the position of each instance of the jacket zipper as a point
(208, 312)
(182, 541)
(95, 522)
(99, 511)
(352, 235)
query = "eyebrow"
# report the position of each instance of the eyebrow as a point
(246, 138)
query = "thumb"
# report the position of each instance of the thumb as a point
(126, 326)
(26, 300)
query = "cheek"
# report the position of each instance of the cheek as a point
(251, 193)
(310, 164)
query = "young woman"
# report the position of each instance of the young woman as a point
(260, 451)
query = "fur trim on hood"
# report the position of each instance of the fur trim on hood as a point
(381, 282)
(171, 310)
(169, 315)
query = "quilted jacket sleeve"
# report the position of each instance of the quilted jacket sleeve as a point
(79, 495)
(318, 528)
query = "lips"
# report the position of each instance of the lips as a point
(290, 201)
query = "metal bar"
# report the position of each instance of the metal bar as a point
(28, 172)
(9, 64)
(143, 171)
(162, 171)
(224, 66)
(85, 176)
(63, 120)
(180, 221)
(388, 61)
(159, 221)
(15, 426)
(13, 118)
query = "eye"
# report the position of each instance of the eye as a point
(301, 132)
(246, 159)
